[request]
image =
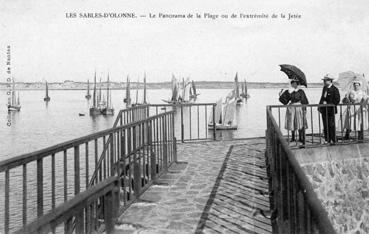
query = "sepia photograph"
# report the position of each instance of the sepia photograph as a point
(166, 117)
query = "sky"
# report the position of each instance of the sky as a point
(331, 37)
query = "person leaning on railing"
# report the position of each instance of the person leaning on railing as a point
(355, 117)
(330, 95)
(295, 116)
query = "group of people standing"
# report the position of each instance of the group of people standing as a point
(353, 118)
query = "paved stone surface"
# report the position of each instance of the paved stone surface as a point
(240, 200)
(177, 202)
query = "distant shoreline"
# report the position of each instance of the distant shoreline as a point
(70, 85)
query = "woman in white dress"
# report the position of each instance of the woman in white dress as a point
(355, 118)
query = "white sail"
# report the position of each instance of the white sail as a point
(229, 113)
(218, 111)
(186, 91)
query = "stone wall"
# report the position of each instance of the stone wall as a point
(340, 177)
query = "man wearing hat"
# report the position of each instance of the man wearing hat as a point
(330, 95)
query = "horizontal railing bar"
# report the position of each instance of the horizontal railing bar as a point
(314, 203)
(183, 104)
(29, 157)
(312, 105)
(69, 208)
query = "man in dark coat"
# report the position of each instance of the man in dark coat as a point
(330, 95)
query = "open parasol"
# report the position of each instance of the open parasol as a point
(294, 73)
(346, 81)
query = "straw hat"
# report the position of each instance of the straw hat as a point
(328, 77)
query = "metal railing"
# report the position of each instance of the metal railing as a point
(348, 125)
(191, 120)
(146, 148)
(296, 207)
(38, 182)
(83, 213)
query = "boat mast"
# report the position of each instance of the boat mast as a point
(193, 87)
(94, 92)
(237, 91)
(144, 94)
(13, 93)
(47, 91)
(99, 94)
(137, 91)
(108, 94)
(88, 87)
(128, 93)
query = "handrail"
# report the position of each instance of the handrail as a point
(321, 125)
(314, 204)
(65, 211)
(93, 177)
(28, 157)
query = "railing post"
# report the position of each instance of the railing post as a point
(182, 125)
(108, 212)
(112, 154)
(136, 166)
(152, 153)
(165, 153)
(76, 170)
(174, 138)
(214, 126)
(40, 188)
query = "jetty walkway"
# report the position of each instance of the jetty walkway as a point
(159, 169)
(216, 187)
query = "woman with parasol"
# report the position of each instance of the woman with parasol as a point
(355, 117)
(295, 115)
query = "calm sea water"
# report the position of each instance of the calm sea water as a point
(39, 125)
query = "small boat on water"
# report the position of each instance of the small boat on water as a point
(238, 98)
(127, 99)
(144, 99)
(244, 91)
(193, 91)
(13, 101)
(47, 98)
(225, 117)
(88, 95)
(175, 95)
(107, 107)
(96, 98)
(182, 94)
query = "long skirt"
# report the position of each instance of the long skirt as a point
(353, 118)
(295, 118)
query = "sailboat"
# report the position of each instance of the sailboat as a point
(144, 91)
(88, 95)
(13, 101)
(175, 94)
(225, 118)
(193, 91)
(94, 110)
(127, 100)
(238, 99)
(108, 109)
(47, 98)
(137, 86)
(244, 92)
